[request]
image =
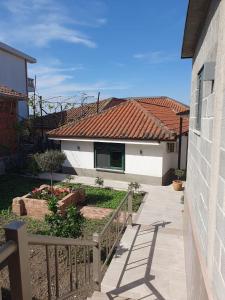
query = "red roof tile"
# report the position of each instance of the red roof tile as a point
(8, 92)
(142, 118)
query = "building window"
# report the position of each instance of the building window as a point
(171, 147)
(199, 100)
(109, 156)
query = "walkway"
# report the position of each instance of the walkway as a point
(149, 262)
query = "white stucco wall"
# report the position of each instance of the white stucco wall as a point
(170, 160)
(148, 163)
(13, 75)
(83, 158)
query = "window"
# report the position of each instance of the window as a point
(199, 100)
(109, 156)
(171, 147)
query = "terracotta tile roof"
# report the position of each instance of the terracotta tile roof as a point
(55, 120)
(143, 119)
(8, 92)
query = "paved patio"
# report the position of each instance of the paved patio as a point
(149, 262)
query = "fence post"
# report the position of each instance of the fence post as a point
(130, 209)
(97, 262)
(19, 274)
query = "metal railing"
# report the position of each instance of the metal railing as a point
(80, 262)
(109, 237)
(75, 263)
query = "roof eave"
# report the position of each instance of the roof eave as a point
(18, 53)
(196, 14)
(108, 138)
(19, 98)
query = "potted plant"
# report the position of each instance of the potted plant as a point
(178, 184)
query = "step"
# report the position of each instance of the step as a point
(102, 296)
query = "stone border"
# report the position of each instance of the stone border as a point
(37, 208)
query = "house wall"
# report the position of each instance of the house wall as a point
(144, 168)
(13, 75)
(205, 188)
(170, 160)
(148, 163)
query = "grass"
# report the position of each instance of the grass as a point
(15, 185)
(100, 197)
(33, 226)
(105, 197)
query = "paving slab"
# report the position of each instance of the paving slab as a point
(149, 263)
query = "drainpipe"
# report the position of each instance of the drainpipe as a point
(180, 142)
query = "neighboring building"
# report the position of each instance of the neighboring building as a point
(204, 42)
(13, 74)
(48, 122)
(9, 100)
(133, 141)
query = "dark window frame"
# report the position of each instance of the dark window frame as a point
(109, 148)
(199, 100)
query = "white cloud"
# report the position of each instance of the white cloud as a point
(42, 21)
(54, 79)
(155, 57)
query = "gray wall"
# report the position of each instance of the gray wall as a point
(205, 189)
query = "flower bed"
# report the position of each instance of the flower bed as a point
(35, 204)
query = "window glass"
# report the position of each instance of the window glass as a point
(109, 156)
(199, 100)
(116, 159)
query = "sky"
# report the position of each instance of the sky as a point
(120, 48)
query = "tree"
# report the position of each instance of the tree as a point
(50, 161)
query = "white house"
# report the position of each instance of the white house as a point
(13, 74)
(136, 140)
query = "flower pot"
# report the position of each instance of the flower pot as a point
(177, 185)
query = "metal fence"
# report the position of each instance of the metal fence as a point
(80, 262)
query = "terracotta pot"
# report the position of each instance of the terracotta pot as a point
(177, 185)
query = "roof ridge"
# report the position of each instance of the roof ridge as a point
(157, 120)
(179, 102)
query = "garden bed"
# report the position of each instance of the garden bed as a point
(36, 203)
(13, 186)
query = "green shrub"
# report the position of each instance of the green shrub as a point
(68, 225)
(53, 204)
(99, 181)
(32, 166)
(134, 186)
(179, 173)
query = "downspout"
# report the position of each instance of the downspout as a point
(180, 142)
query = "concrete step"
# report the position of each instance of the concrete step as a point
(102, 296)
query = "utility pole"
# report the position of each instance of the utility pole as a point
(98, 102)
(42, 129)
(34, 103)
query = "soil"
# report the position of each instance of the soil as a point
(38, 271)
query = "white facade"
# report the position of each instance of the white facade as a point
(13, 73)
(142, 159)
(148, 163)
(83, 158)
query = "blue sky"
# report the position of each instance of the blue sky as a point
(121, 48)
